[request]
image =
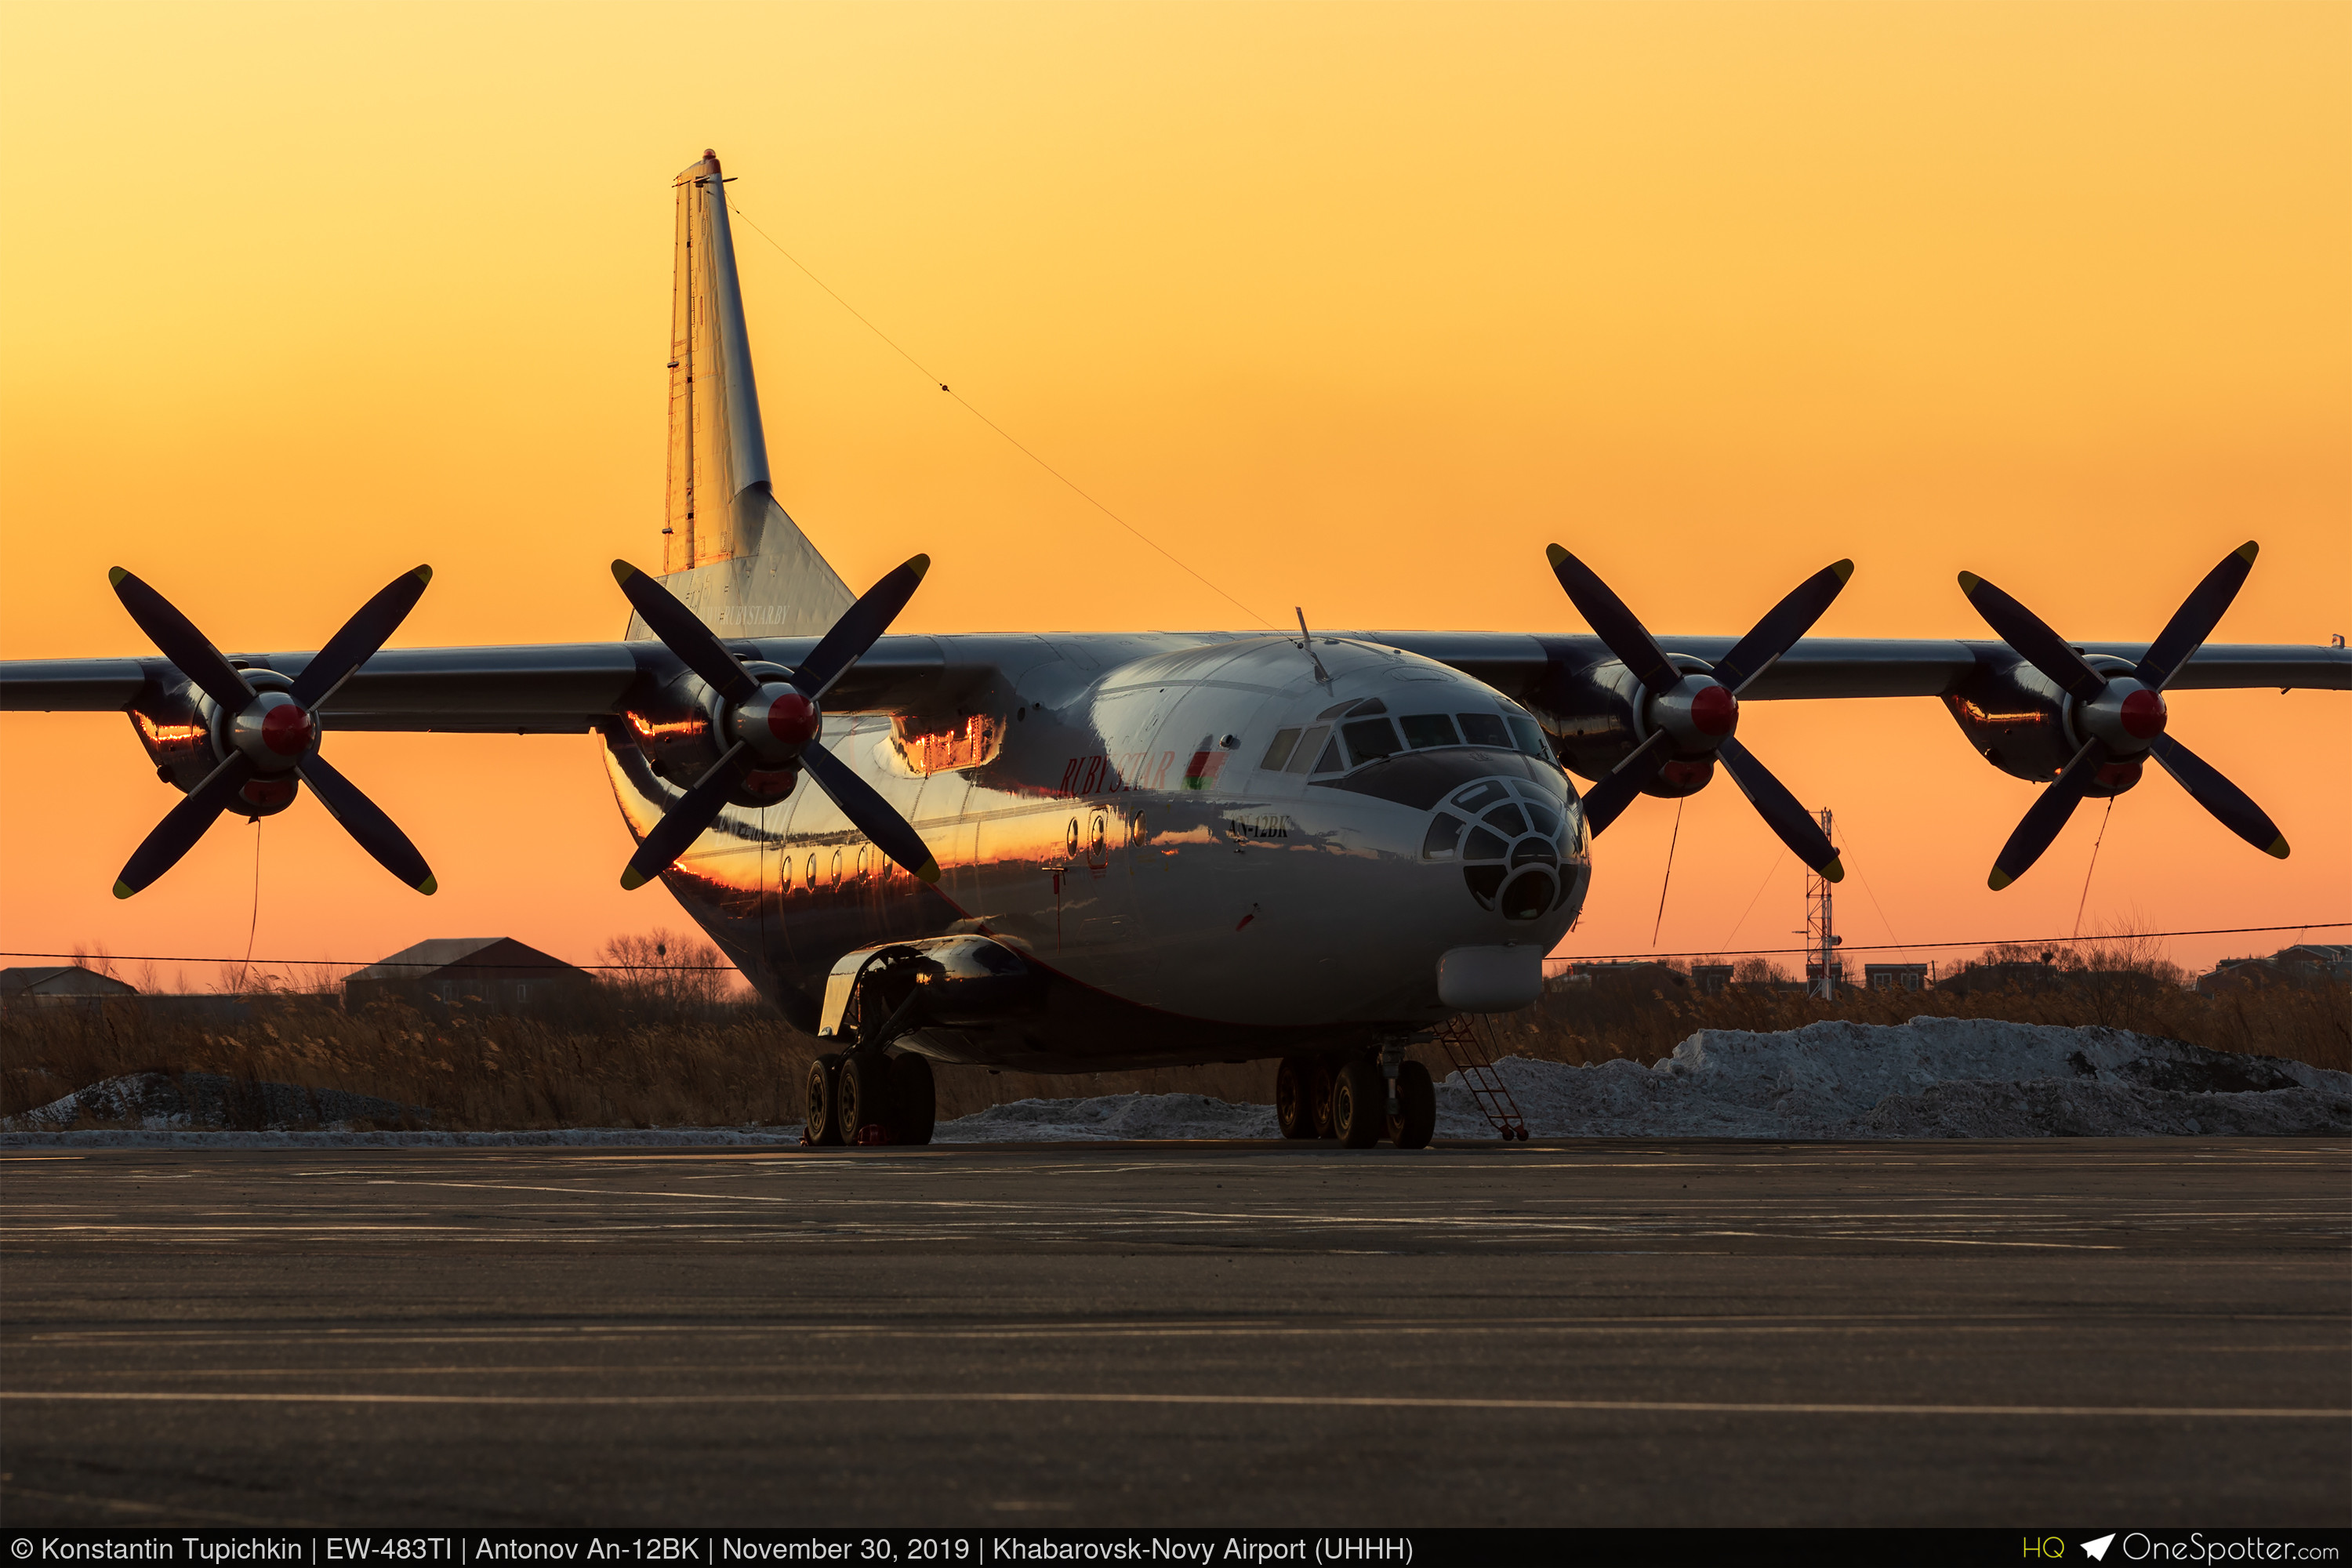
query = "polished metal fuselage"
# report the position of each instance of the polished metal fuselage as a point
(1113, 824)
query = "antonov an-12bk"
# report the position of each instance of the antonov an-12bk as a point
(1069, 853)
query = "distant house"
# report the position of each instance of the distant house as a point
(1638, 977)
(2011, 976)
(494, 973)
(2305, 964)
(60, 982)
(1894, 976)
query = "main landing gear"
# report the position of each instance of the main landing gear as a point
(1349, 1098)
(868, 1096)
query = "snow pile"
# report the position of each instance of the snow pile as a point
(179, 1103)
(1116, 1116)
(1931, 1078)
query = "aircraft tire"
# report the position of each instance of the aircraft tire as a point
(823, 1080)
(1359, 1105)
(1415, 1123)
(1320, 1098)
(914, 1098)
(863, 1094)
(1294, 1097)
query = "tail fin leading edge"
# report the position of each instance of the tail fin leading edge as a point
(739, 560)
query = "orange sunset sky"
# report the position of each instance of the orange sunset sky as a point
(1350, 307)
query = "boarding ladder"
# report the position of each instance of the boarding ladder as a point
(1469, 1044)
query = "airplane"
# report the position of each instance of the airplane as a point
(1067, 853)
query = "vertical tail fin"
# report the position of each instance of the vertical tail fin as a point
(741, 562)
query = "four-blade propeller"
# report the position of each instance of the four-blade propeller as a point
(770, 726)
(270, 734)
(1692, 717)
(2121, 718)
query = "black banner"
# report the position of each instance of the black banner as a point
(1254, 1548)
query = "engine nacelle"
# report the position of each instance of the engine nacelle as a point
(682, 730)
(2024, 725)
(1595, 718)
(185, 734)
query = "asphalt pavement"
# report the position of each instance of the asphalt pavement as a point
(2120, 1333)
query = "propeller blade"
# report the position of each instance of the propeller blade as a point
(184, 824)
(2042, 648)
(190, 651)
(2193, 623)
(365, 822)
(2048, 814)
(1614, 623)
(848, 638)
(1608, 799)
(1783, 625)
(2228, 803)
(683, 633)
(870, 814)
(1781, 811)
(683, 823)
(368, 629)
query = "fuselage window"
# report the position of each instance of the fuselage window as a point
(1276, 756)
(1369, 738)
(1424, 730)
(1439, 843)
(836, 867)
(1531, 736)
(812, 873)
(1330, 761)
(1309, 746)
(1485, 729)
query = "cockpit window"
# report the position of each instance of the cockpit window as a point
(1284, 742)
(1485, 730)
(1529, 735)
(1370, 705)
(1331, 761)
(1369, 738)
(1304, 753)
(1423, 729)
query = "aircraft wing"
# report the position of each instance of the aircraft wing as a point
(1521, 665)
(537, 689)
(567, 687)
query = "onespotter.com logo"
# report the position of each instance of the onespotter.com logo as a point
(2195, 1546)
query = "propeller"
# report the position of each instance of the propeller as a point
(2122, 717)
(271, 734)
(1693, 717)
(770, 726)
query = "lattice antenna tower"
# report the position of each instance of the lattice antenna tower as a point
(1820, 932)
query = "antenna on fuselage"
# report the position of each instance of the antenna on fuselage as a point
(1306, 641)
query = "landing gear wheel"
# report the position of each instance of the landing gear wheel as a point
(1320, 1099)
(914, 1098)
(1294, 1097)
(1415, 1123)
(1359, 1105)
(823, 1078)
(862, 1098)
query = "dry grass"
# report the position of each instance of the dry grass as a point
(656, 1048)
